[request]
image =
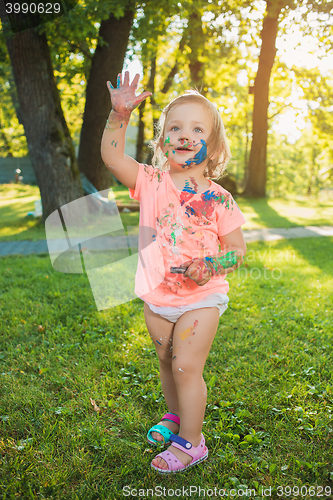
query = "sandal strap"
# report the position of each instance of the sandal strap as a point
(187, 447)
(161, 429)
(181, 441)
(171, 417)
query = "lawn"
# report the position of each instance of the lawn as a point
(17, 200)
(80, 388)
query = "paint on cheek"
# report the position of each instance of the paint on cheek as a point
(189, 331)
(200, 156)
(181, 370)
(167, 141)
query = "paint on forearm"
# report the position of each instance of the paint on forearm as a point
(217, 264)
(115, 121)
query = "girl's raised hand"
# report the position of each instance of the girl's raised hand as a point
(123, 97)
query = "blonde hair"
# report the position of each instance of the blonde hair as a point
(218, 147)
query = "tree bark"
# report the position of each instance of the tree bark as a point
(107, 62)
(141, 133)
(196, 41)
(49, 141)
(257, 167)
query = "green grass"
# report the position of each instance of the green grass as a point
(269, 374)
(17, 200)
(286, 212)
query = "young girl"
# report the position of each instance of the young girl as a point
(184, 217)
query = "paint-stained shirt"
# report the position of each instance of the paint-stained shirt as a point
(177, 226)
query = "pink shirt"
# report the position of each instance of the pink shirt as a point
(177, 226)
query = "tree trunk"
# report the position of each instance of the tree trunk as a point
(141, 133)
(142, 155)
(151, 88)
(257, 168)
(196, 43)
(49, 141)
(107, 62)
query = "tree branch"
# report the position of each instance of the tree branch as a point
(174, 70)
(279, 111)
(76, 46)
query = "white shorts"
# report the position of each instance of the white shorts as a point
(219, 300)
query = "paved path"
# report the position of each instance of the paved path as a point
(26, 247)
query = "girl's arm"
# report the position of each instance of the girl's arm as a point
(233, 251)
(233, 248)
(123, 101)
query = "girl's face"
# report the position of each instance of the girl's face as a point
(186, 132)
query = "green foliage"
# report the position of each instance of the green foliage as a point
(211, 45)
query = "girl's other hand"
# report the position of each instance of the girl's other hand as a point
(197, 271)
(123, 97)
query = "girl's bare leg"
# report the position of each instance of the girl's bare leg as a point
(193, 336)
(161, 333)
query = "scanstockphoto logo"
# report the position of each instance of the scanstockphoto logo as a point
(26, 14)
(87, 235)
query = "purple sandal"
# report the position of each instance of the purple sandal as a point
(198, 454)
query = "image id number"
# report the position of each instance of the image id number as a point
(304, 491)
(32, 8)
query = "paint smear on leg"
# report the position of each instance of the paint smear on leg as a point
(189, 331)
(181, 370)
